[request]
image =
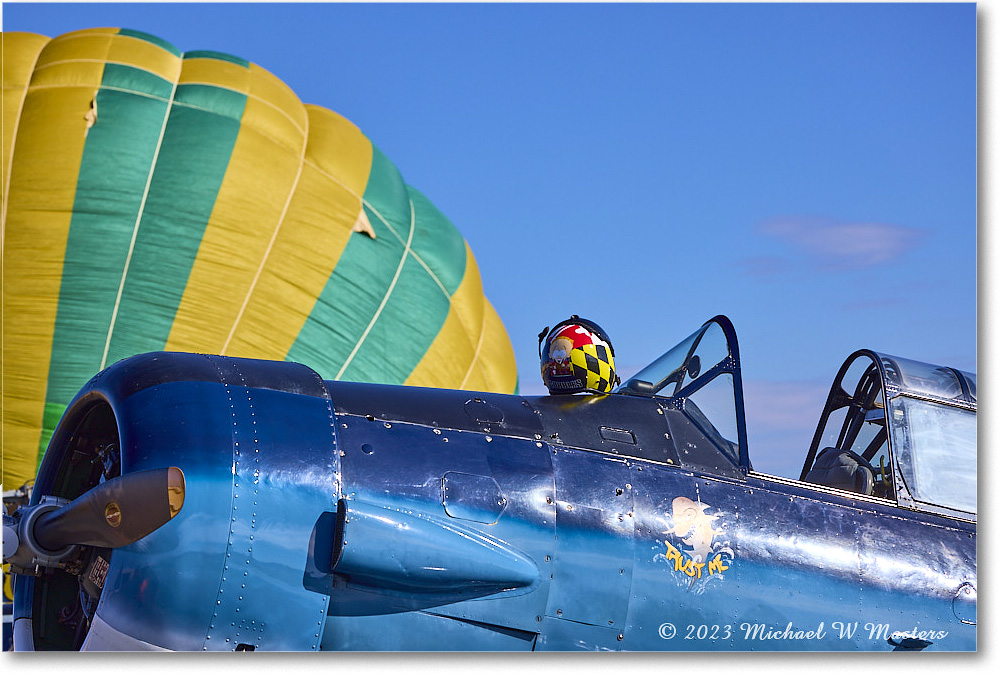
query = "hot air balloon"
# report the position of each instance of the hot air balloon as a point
(160, 200)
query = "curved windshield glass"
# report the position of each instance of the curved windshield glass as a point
(700, 379)
(936, 444)
(971, 379)
(694, 356)
(925, 379)
(714, 411)
(887, 415)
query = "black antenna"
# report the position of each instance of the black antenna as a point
(541, 338)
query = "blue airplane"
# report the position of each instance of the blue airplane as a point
(207, 503)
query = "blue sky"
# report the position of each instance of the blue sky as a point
(808, 170)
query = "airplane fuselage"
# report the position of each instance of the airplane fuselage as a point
(333, 515)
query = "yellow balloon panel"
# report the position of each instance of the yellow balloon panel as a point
(156, 199)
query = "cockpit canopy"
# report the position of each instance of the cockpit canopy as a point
(892, 428)
(901, 430)
(701, 377)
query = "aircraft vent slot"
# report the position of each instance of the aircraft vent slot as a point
(617, 435)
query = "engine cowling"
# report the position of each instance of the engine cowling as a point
(257, 446)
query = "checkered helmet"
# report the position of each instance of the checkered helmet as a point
(577, 356)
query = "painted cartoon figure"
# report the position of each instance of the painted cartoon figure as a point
(559, 350)
(694, 527)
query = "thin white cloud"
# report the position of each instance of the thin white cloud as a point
(842, 245)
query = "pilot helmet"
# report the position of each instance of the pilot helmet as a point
(576, 356)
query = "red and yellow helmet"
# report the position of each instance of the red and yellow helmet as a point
(576, 356)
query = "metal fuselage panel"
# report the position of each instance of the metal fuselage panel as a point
(793, 570)
(634, 553)
(331, 515)
(255, 441)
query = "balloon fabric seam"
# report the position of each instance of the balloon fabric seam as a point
(385, 298)
(415, 255)
(138, 220)
(270, 244)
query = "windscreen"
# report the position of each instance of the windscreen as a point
(694, 356)
(700, 377)
(937, 451)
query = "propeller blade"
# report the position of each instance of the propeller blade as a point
(115, 513)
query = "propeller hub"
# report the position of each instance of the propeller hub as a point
(112, 514)
(30, 554)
